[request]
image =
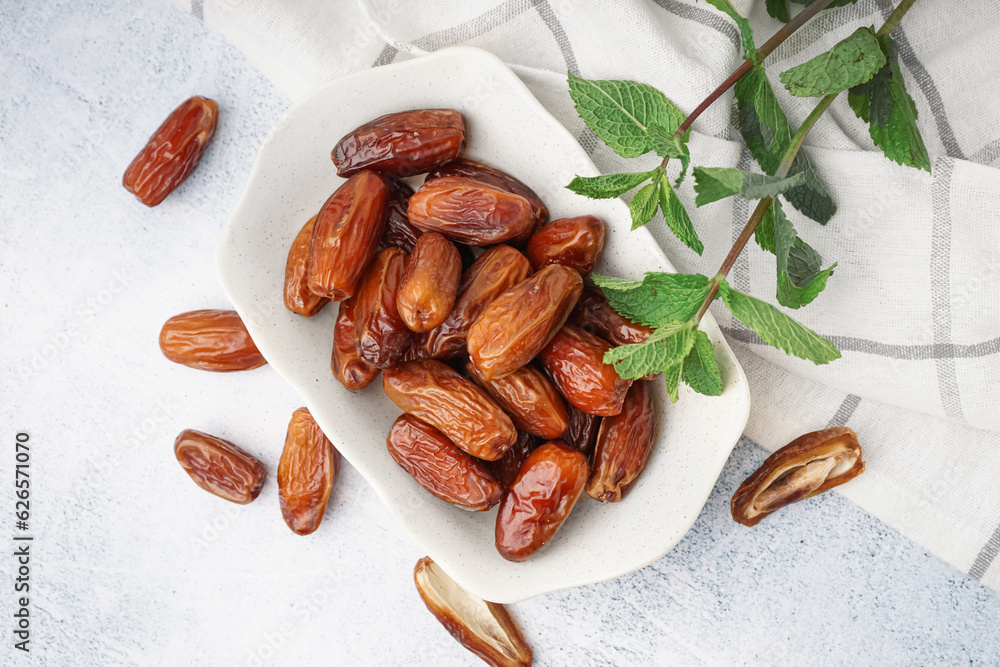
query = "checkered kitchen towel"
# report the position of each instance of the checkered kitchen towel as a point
(915, 302)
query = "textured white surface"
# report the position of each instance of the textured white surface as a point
(135, 565)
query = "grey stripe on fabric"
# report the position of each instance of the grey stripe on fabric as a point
(889, 350)
(198, 9)
(986, 556)
(741, 214)
(474, 27)
(845, 411)
(925, 82)
(988, 154)
(708, 18)
(940, 274)
(553, 24)
(588, 139)
(387, 55)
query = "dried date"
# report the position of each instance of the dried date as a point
(505, 468)
(574, 361)
(346, 362)
(210, 340)
(398, 230)
(572, 242)
(219, 466)
(307, 472)
(298, 297)
(581, 434)
(624, 444)
(469, 211)
(383, 337)
(429, 284)
(404, 143)
(595, 315)
(530, 400)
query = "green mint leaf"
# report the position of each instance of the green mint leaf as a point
(667, 346)
(672, 380)
(800, 276)
(677, 218)
(778, 329)
(608, 185)
(715, 183)
(812, 199)
(889, 110)
(656, 299)
(620, 112)
(701, 371)
(850, 63)
(669, 145)
(778, 9)
(645, 201)
(746, 34)
(764, 234)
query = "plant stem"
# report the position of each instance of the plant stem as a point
(895, 17)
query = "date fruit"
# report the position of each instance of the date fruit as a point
(572, 242)
(346, 234)
(530, 400)
(574, 361)
(493, 272)
(298, 297)
(404, 144)
(210, 340)
(347, 364)
(398, 230)
(623, 446)
(383, 337)
(485, 628)
(469, 211)
(808, 465)
(432, 391)
(581, 434)
(173, 152)
(307, 472)
(219, 466)
(430, 282)
(595, 315)
(441, 467)
(536, 504)
(505, 468)
(521, 321)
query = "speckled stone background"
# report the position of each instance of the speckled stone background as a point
(132, 564)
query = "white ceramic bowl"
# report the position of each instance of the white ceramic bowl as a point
(507, 128)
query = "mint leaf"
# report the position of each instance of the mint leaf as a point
(776, 328)
(811, 198)
(657, 298)
(620, 112)
(645, 201)
(764, 234)
(851, 62)
(677, 218)
(608, 185)
(778, 9)
(669, 145)
(746, 34)
(715, 183)
(672, 380)
(701, 371)
(889, 110)
(667, 346)
(800, 278)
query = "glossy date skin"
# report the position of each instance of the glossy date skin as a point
(441, 467)
(469, 211)
(493, 272)
(574, 361)
(398, 230)
(595, 315)
(219, 466)
(581, 433)
(529, 399)
(572, 242)
(522, 320)
(539, 500)
(307, 472)
(173, 152)
(434, 392)
(429, 284)
(404, 143)
(210, 340)
(346, 362)
(298, 297)
(346, 234)
(383, 336)
(624, 444)
(505, 468)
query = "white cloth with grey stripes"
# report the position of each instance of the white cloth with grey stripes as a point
(915, 301)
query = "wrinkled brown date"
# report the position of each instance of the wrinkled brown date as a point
(219, 466)
(434, 392)
(404, 143)
(581, 434)
(398, 230)
(623, 446)
(595, 315)
(346, 362)
(346, 234)
(469, 211)
(307, 472)
(210, 340)
(808, 465)
(521, 321)
(484, 628)
(530, 400)
(441, 467)
(429, 285)
(298, 297)
(574, 361)
(536, 504)
(496, 270)
(173, 152)
(383, 337)
(572, 242)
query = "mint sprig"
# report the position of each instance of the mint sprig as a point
(800, 276)
(701, 370)
(849, 63)
(715, 183)
(609, 185)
